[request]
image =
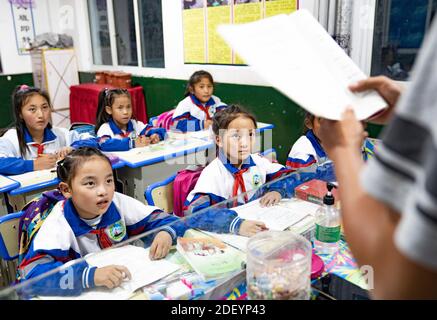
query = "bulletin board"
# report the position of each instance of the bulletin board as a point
(202, 43)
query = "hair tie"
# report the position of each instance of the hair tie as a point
(24, 87)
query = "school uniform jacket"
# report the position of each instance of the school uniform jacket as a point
(11, 161)
(216, 184)
(112, 138)
(305, 152)
(64, 237)
(190, 114)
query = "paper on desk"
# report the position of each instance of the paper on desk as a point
(278, 217)
(35, 177)
(160, 149)
(298, 57)
(4, 182)
(294, 213)
(143, 270)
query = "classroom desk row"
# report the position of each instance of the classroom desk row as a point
(135, 169)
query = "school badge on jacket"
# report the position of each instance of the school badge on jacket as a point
(117, 231)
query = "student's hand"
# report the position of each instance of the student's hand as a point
(250, 227)
(111, 276)
(207, 124)
(62, 153)
(160, 246)
(270, 199)
(154, 138)
(45, 161)
(142, 141)
(347, 133)
(390, 90)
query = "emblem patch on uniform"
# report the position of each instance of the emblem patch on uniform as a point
(212, 110)
(256, 180)
(117, 231)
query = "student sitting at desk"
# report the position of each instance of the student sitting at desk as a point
(93, 217)
(308, 150)
(234, 172)
(195, 112)
(34, 144)
(116, 129)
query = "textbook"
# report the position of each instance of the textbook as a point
(314, 191)
(297, 56)
(210, 257)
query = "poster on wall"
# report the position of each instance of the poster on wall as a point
(203, 45)
(22, 16)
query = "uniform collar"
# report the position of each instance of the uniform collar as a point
(210, 102)
(116, 130)
(233, 170)
(316, 144)
(49, 136)
(80, 227)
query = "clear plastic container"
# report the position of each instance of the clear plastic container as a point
(278, 266)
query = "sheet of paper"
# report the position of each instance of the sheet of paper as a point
(296, 55)
(161, 149)
(35, 177)
(143, 270)
(279, 217)
(4, 182)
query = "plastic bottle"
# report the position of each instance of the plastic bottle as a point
(328, 225)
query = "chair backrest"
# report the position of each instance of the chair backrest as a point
(160, 194)
(269, 154)
(184, 182)
(83, 127)
(164, 119)
(9, 232)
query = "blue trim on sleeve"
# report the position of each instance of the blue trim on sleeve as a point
(116, 145)
(14, 166)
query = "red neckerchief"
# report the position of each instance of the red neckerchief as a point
(40, 147)
(102, 237)
(239, 182)
(203, 108)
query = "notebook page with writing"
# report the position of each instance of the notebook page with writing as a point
(136, 259)
(299, 58)
(278, 217)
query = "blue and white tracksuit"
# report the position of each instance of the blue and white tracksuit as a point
(190, 114)
(13, 163)
(112, 138)
(64, 237)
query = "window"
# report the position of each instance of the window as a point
(152, 36)
(400, 28)
(99, 27)
(125, 32)
(137, 26)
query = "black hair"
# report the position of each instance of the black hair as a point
(223, 118)
(107, 98)
(66, 169)
(196, 77)
(308, 118)
(20, 96)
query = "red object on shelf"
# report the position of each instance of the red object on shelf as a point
(84, 98)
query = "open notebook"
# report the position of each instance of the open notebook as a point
(293, 213)
(298, 57)
(143, 270)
